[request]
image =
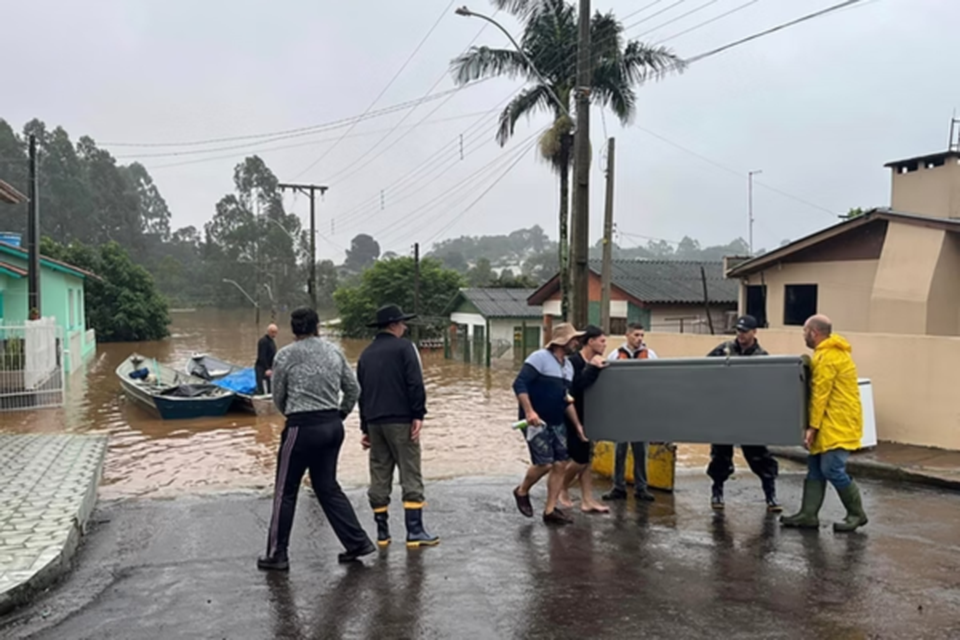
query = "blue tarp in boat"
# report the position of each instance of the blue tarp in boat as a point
(243, 381)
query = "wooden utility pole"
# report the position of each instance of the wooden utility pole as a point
(580, 228)
(310, 190)
(416, 291)
(33, 236)
(607, 272)
(706, 298)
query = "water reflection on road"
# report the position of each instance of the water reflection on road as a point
(466, 432)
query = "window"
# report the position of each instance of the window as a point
(799, 303)
(757, 303)
(72, 312)
(618, 326)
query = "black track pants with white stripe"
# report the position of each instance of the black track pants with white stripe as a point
(314, 447)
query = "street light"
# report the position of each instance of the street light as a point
(464, 11)
(750, 175)
(237, 285)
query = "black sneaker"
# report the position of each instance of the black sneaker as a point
(351, 556)
(716, 501)
(275, 563)
(557, 517)
(615, 494)
(642, 495)
(523, 503)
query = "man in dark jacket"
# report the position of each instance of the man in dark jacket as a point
(266, 352)
(758, 457)
(392, 408)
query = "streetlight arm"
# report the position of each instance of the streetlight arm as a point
(237, 285)
(464, 11)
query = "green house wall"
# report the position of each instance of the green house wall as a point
(57, 289)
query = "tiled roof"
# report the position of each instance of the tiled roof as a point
(502, 303)
(671, 281)
(13, 270)
(57, 265)
(10, 195)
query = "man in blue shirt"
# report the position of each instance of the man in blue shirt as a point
(543, 390)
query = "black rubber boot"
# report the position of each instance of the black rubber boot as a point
(615, 494)
(277, 562)
(716, 498)
(770, 493)
(814, 492)
(383, 527)
(856, 517)
(417, 536)
(356, 554)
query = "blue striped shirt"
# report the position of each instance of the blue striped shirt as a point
(546, 381)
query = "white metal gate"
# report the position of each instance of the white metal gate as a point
(31, 365)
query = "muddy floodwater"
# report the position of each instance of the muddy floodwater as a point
(466, 433)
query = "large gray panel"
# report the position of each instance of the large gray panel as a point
(761, 400)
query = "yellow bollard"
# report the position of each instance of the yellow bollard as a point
(661, 463)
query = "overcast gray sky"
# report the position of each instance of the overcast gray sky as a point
(819, 108)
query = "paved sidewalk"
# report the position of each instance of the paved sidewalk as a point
(891, 461)
(48, 488)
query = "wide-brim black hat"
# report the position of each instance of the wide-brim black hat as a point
(390, 313)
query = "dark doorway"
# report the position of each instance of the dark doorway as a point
(757, 303)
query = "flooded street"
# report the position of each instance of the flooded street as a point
(466, 432)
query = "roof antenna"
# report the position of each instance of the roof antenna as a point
(954, 140)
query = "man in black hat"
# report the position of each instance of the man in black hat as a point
(392, 407)
(758, 457)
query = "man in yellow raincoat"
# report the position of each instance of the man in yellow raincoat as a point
(835, 428)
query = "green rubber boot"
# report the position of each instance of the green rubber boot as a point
(850, 497)
(813, 493)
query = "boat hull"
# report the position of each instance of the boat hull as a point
(171, 407)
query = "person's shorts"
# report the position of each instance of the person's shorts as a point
(548, 444)
(580, 452)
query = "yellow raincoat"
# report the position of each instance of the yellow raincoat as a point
(835, 410)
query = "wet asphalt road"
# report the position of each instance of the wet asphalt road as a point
(184, 568)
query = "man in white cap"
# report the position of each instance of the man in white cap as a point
(543, 391)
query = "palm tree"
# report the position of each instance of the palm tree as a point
(549, 46)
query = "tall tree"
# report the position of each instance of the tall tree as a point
(363, 252)
(550, 43)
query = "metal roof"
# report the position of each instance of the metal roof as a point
(661, 282)
(671, 281)
(12, 270)
(50, 263)
(502, 303)
(9, 194)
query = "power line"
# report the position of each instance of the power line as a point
(739, 174)
(409, 113)
(416, 50)
(247, 145)
(325, 126)
(779, 27)
(678, 18)
(710, 21)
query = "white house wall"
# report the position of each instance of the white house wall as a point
(470, 319)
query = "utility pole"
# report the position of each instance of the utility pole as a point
(310, 190)
(750, 175)
(416, 291)
(607, 272)
(33, 236)
(580, 231)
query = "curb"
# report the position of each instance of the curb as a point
(874, 469)
(61, 563)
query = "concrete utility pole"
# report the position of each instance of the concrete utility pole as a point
(33, 236)
(310, 190)
(580, 227)
(607, 272)
(750, 175)
(416, 291)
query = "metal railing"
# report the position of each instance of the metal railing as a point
(31, 365)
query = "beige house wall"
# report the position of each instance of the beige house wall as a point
(904, 277)
(914, 377)
(843, 290)
(943, 307)
(666, 318)
(932, 192)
